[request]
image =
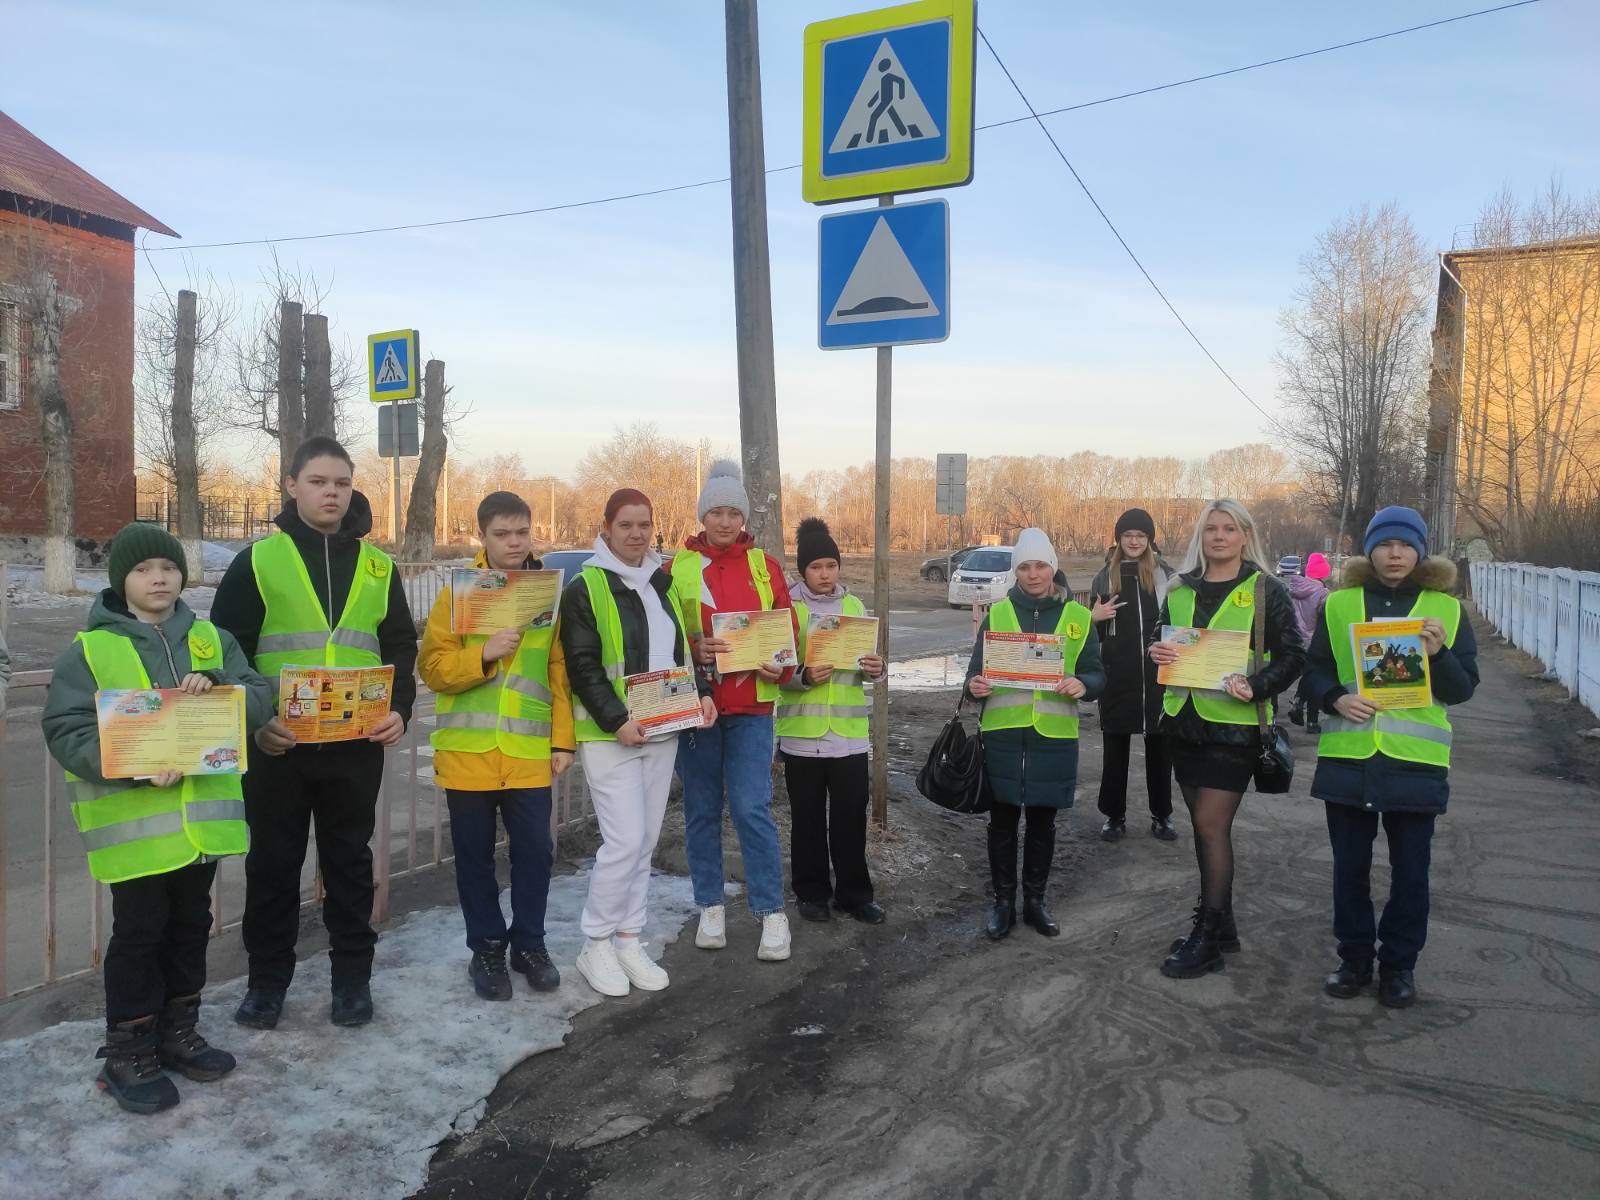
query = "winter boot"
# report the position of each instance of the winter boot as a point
(536, 966)
(1038, 848)
(260, 1008)
(487, 970)
(1199, 954)
(1346, 982)
(1227, 934)
(351, 1004)
(132, 1074)
(183, 1050)
(1003, 877)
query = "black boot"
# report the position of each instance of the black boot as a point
(132, 1075)
(1347, 982)
(260, 1008)
(487, 970)
(540, 971)
(1396, 989)
(1003, 877)
(1227, 932)
(183, 1050)
(1200, 953)
(352, 1004)
(1038, 848)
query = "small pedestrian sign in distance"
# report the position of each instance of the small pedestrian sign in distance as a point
(883, 276)
(392, 372)
(888, 101)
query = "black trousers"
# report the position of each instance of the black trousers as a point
(159, 928)
(828, 803)
(1398, 937)
(1114, 775)
(338, 787)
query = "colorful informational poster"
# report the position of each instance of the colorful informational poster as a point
(839, 641)
(143, 733)
(1036, 661)
(333, 704)
(1206, 657)
(763, 638)
(486, 601)
(663, 701)
(1392, 664)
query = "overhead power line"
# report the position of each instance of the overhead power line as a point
(704, 183)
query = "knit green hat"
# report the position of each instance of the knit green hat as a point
(136, 542)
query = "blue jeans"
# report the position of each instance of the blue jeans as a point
(1398, 937)
(734, 754)
(472, 827)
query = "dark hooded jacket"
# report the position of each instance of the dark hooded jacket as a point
(330, 561)
(1131, 702)
(1381, 783)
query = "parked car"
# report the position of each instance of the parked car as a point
(933, 569)
(1291, 564)
(985, 575)
(568, 562)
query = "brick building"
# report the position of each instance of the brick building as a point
(56, 216)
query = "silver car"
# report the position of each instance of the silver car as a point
(983, 577)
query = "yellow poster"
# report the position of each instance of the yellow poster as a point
(1206, 657)
(758, 639)
(143, 733)
(333, 704)
(1036, 661)
(1392, 664)
(835, 640)
(487, 601)
(663, 701)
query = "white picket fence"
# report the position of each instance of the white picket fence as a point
(1551, 613)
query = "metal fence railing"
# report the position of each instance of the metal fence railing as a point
(1551, 613)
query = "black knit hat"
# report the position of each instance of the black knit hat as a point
(136, 542)
(1136, 518)
(813, 541)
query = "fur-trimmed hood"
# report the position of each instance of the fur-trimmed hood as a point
(1435, 573)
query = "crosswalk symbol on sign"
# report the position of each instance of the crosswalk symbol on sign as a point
(886, 108)
(391, 372)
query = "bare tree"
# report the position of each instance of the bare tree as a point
(47, 310)
(421, 518)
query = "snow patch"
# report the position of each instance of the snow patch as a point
(928, 674)
(312, 1110)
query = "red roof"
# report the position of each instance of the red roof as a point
(30, 168)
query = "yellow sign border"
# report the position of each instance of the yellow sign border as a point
(410, 393)
(956, 169)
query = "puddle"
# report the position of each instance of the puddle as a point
(928, 674)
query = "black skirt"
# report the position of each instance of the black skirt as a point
(1225, 768)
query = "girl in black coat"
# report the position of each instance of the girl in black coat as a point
(1127, 596)
(1214, 760)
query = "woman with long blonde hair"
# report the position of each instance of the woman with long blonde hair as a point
(1213, 736)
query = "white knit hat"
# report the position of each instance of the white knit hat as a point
(1033, 545)
(723, 489)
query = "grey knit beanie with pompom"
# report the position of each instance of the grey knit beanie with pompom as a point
(724, 488)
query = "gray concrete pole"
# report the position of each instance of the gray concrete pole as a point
(880, 580)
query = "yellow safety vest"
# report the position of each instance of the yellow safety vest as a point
(1237, 612)
(1017, 708)
(133, 830)
(838, 703)
(1419, 735)
(608, 622)
(509, 711)
(688, 580)
(295, 630)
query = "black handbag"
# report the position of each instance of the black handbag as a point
(1275, 768)
(953, 777)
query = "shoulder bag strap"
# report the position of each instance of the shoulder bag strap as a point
(1259, 657)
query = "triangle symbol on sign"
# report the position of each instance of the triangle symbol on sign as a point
(883, 285)
(391, 371)
(886, 110)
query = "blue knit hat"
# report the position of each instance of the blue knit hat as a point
(1399, 523)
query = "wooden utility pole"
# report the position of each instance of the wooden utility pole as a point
(430, 463)
(752, 279)
(291, 362)
(185, 450)
(319, 378)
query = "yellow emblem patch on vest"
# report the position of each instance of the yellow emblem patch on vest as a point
(1243, 599)
(201, 646)
(378, 567)
(1074, 630)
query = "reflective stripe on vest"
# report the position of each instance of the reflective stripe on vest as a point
(509, 711)
(688, 580)
(608, 623)
(295, 630)
(1419, 735)
(1017, 708)
(838, 703)
(133, 830)
(1237, 612)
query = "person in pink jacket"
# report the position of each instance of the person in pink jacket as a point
(1309, 593)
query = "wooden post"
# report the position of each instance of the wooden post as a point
(47, 314)
(291, 358)
(424, 484)
(319, 378)
(880, 581)
(552, 510)
(185, 451)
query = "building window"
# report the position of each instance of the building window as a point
(10, 358)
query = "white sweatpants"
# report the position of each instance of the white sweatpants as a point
(629, 786)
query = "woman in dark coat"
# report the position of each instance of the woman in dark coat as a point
(1030, 738)
(1127, 596)
(1212, 736)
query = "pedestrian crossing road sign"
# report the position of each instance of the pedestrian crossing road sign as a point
(883, 276)
(888, 101)
(392, 372)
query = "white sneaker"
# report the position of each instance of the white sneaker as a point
(713, 931)
(637, 965)
(774, 938)
(597, 963)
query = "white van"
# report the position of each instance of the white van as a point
(983, 577)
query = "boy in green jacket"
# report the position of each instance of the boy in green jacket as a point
(154, 841)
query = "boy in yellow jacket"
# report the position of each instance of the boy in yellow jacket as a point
(503, 733)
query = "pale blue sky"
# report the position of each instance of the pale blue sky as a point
(233, 121)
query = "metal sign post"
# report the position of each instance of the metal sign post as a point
(393, 374)
(950, 499)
